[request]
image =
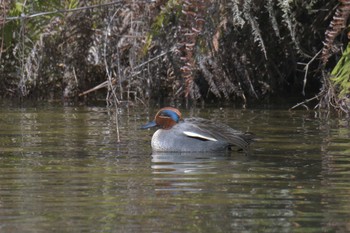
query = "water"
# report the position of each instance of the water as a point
(62, 170)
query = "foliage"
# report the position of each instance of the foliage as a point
(168, 50)
(170, 10)
(26, 39)
(336, 26)
(338, 87)
(341, 73)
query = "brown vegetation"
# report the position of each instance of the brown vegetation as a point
(173, 49)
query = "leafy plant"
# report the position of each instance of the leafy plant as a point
(341, 73)
(163, 19)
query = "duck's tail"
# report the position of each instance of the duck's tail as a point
(243, 140)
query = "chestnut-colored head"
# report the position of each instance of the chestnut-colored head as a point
(165, 118)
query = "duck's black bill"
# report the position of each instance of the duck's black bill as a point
(149, 125)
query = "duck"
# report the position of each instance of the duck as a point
(195, 134)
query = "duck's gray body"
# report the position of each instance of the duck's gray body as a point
(199, 135)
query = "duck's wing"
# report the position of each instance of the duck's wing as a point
(204, 129)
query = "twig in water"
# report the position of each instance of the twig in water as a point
(99, 86)
(306, 101)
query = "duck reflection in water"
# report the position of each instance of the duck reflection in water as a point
(185, 163)
(190, 172)
(194, 134)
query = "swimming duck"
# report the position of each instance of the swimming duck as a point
(193, 134)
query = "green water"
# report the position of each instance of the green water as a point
(62, 170)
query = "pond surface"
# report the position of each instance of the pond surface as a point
(62, 170)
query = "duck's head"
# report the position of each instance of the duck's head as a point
(165, 118)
